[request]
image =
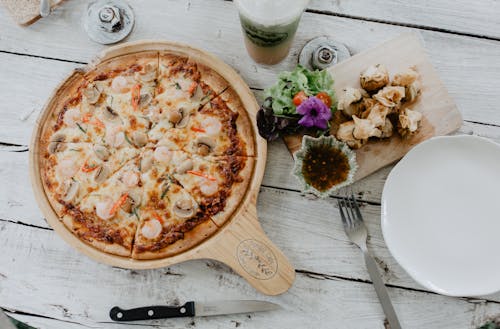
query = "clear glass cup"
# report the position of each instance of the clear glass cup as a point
(269, 27)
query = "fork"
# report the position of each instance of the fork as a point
(356, 231)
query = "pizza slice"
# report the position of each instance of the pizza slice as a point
(220, 127)
(70, 171)
(171, 221)
(184, 86)
(217, 184)
(119, 95)
(107, 218)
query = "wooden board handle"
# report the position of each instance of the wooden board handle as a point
(250, 253)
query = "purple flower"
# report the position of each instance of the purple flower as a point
(314, 113)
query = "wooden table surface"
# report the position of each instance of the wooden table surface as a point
(49, 285)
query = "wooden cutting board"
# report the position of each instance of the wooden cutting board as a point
(441, 116)
(26, 12)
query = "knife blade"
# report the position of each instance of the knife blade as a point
(190, 309)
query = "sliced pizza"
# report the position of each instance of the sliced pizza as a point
(107, 218)
(220, 127)
(171, 221)
(73, 170)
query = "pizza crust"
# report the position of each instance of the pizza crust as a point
(69, 90)
(212, 79)
(191, 238)
(238, 193)
(243, 122)
(111, 248)
(116, 65)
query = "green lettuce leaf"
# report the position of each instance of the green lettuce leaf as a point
(300, 79)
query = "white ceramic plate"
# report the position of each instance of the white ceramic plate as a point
(441, 215)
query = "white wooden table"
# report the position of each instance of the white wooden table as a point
(49, 285)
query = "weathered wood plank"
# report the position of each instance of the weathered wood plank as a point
(313, 240)
(40, 275)
(469, 17)
(468, 66)
(19, 203)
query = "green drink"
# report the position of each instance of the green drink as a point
(269, 27)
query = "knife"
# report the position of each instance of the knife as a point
(191, 309)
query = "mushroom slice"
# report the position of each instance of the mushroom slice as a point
(148, 75)
(55, 147)
(175, 116)
(374, 78)
(408, 122)
(71, 190)
(60, 137)
(186, 165)
(101, 174)
(139, 138)
(184, 208)
(364, 129)
(205, 145)
(184, 120)
(102, 152)
(110, 114)
(91, 93)
(344, 134)
(145, 99)
(390, 96)
(133, 201)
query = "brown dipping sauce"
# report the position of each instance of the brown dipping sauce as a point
(324, 167)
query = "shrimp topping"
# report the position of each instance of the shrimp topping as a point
(162, 154)
(151, 228)
(209, 187)
(211, 125)
(103, 208)
(72, 116)
(120, 85)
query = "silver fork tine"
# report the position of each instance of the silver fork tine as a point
(344, 214)
(350, 206)
(356, 206)
(339, 202)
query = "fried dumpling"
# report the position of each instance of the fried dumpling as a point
(387, 129)
(364, 129)
(350, 101)
(390, 96)
(374, 78)
(410, 80)
(345, 134)
(408, 122)
(376, 114)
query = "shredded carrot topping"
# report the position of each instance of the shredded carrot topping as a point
(86, 117)
(88, 168)
(200, 130)
(98, 123)
(136, 96)
(200, 174)
(118, 203)
(157, 216)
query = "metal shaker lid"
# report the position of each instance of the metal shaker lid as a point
(108, 21)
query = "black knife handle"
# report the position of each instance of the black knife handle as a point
(151, 312)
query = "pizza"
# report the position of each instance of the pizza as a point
(147, 154)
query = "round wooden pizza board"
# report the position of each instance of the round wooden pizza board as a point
(240, 243)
